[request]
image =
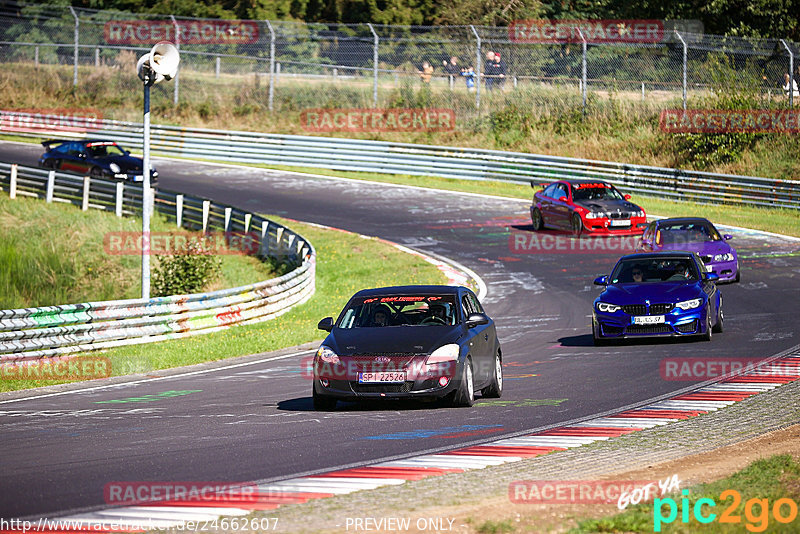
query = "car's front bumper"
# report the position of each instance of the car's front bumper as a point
(676, 323)
(726, 270)
(606, 226)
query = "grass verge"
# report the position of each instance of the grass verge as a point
(345, 264)
(760, 486)
(56, 255)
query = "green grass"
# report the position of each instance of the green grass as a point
(771, 478)
(54, 254)
(345, 264)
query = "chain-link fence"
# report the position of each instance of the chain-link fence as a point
(290, 66)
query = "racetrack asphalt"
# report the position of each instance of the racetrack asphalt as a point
(255, 422)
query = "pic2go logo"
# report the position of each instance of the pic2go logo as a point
(756, 511)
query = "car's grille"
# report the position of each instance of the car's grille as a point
(641, 309)
(649, 329)
(687, 328)
(661, 309)
(405, 387)
(619, 215)
(635, 309)
(378, 361)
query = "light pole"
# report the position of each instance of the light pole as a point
(160, 64)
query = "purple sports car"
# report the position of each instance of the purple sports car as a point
(694, 234)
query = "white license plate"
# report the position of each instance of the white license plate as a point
(648, 319)
(381, 377)
(619, 223)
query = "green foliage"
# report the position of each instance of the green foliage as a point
(510, 125)
(189, 272)
(496, 527)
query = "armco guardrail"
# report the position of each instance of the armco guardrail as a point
(402, 158)
(59, 330)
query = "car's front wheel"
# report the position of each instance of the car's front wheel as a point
(720, 320)
(96, 172)
(576, 225)
(597, 339)
(536, 219)
(465, 394)
(322, 403)
(495, 387)
(706, 336)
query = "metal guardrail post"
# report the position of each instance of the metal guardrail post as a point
(75, 53)
(477, 68)
(228, 219)
(51, 182)
(120, 189)
(583, 70)
(791, 74)
(12, 184)
(179, 209)
(86, 185)
(685, 65)
(271, 65)
(178, 72)
(206, 209)
(375, 42)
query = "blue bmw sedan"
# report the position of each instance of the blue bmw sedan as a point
(667, 293)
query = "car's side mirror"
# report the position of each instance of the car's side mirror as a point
(601, 281)
(711, 277)
(476, 319)
(562, 199)
(326, 324)
(727, 236)
(627, 197)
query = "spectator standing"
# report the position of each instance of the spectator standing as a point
(426, 72)
(499, 71)
(451, 67)
(489, 70)
(469, 77)
(790, 85)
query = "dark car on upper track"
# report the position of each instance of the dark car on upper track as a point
(694, 234)
(96, 158)
(657, 294)
(433, 342)
(586, 206)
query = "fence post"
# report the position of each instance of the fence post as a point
(477, 68)
(642, 91)
(36, 56)
(583, 70)
(75, 53)
(206, 209)
(791, 73)
(216, 67)
(96, 57)
(179, 210)
(685, 53)
(271, 65)
(12, 185)
(51, 182)
(86, 184)
(118, 206)
(178, 72)
(375, 42)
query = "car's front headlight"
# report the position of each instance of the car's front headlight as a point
(724, 257)
(114, 167)
(592, 215)
(327, 355)
(608, 308)
(689, 304)
(445, 353)
(639, 213)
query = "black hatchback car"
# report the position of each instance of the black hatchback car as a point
(408, 342)
(94, 157)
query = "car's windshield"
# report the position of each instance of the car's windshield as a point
(594, 192)
(399, 310)
(662, 269)
(686, 232)
(104, 150)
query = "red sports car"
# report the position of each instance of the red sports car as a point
(586, 206)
